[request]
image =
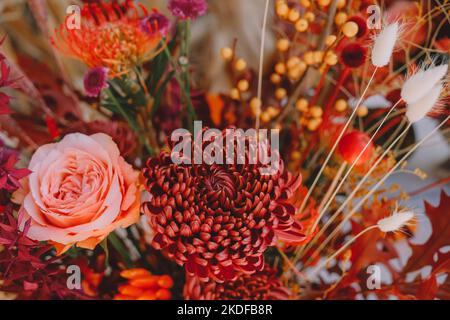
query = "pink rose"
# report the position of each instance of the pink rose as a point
(79, 191)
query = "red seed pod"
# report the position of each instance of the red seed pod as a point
(362, 25)
(353, 55)
(351, 146)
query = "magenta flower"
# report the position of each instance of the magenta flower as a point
(187, 9)
(156, 24)
(95, 81)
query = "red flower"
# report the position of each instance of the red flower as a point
(263, 285)
(353, 55)
(109, 36)
(217, 220)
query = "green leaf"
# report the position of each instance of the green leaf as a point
(118, 245)
(160, 91)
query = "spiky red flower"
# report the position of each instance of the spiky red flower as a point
(109, 35)
(263, 285)
(217, 220)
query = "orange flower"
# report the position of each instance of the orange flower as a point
(142, 285)
(111, 36)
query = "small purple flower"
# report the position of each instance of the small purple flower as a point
(187, 9)
(95, 81)
(155, 24)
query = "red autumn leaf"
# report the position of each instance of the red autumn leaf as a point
(423, 254)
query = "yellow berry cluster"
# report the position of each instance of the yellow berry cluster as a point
(294, 16)
(269, 114)
(311, 117)
(239, 65)
(341, 105)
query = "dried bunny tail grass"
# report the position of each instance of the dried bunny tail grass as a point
(396, 221)
(384, 44)
(419, 109)
(419, 84)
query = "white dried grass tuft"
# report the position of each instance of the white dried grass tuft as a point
(419, 109)
(422, 82)
(384, 44)
(395, 222)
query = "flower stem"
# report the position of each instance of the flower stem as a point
(305, 200)
(377, 185)
(120, 248)
(133, 124)
(183, 82)
(341, 249)
(260, 68)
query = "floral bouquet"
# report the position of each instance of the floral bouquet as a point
(124, 175)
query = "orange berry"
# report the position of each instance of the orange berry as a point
(340, 18)
(350, 29)
(301, 25)
(280, 68)
(283, 44)
(275, 78)
(227, 53)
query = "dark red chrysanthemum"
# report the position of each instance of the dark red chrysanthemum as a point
(353, 55)
(263, 285)
(217, 220)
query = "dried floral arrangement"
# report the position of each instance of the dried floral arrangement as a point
(88, 184)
